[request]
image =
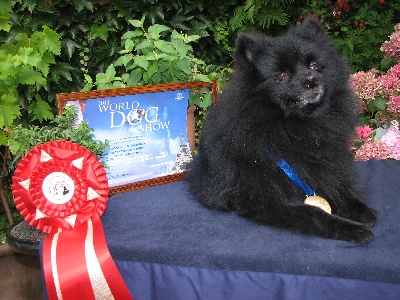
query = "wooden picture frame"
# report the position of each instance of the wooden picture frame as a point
(127, 96)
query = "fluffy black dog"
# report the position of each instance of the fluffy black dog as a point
(287, 99)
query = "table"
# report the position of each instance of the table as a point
(168, 246)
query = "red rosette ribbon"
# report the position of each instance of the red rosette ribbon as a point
(62, 189)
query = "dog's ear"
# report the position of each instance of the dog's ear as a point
(248, 46)
(245, 46)
(311, 29)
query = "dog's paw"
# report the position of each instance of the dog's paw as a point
(362, 214)
(368, 217)
(355, 233)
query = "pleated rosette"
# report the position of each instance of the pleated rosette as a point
(62, 189)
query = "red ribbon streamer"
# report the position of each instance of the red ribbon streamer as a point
(62, 189)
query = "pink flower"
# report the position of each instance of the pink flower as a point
(386, 86)
(373, 149)
(396, 151)
(394, 71)
(364, 132)
(392, 46)
(363, 84)
(394, 104)
(392, 136)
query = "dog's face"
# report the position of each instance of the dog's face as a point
(299, 72)
(298, 84)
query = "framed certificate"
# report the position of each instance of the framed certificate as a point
(150, 130)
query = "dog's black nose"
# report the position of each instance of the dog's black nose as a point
(310, 82)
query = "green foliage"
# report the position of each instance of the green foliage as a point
(5, 10)
(156, 55)
(25, 61)
(261, 14)
(358, 29)
(62, 127)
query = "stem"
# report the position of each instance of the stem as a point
(5, 205)
(3, 198)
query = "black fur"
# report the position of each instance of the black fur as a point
(288, 97)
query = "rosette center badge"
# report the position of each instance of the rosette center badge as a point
(58, 187)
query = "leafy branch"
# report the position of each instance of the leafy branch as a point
(156, 55)
(63, 127)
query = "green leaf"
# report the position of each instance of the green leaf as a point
(110, 72)
(27, 75)
(30, 4)
(164, 66)
(5, 22)
(88, 83)
(181, 47)
(176, 35)
(48, 40)
(9, 109)
(175, 71)
(7, 68)
(160, 78)
(5, 10)
(129, 45)
(3, 138)
(118, 84)
(99, 32)
(193, 38)
(6, 6)
(135, 77)
(153, 68)
(22, 40)
(131, 34)
(41, 110)
(207, 101)
(380, 103)
(70, 45)
(141, 62)
(164, 46)
(143, 45)
(104, 80)
(82, 4)
(124, 60)
(61, 69)
(202, 100)
(45, 62)
(136, 23)
(27, 56)
(184, 65)
(155, 30)
(202, 77)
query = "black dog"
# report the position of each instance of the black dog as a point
(288, 108)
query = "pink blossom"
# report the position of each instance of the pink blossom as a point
(386, 85)
(395, 71)
(392, 46)
(394, 104)
(391, 137)
(396, 151)
(373, 149)
(364, 132)
(363, 84)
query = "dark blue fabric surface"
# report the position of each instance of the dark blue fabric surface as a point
(154, 281)
(165, 225)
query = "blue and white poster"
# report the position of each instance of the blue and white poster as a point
(146, 133)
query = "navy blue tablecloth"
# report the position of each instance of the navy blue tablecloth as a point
(168, 246)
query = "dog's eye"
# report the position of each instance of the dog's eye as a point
(281, 76)
(314, 66)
